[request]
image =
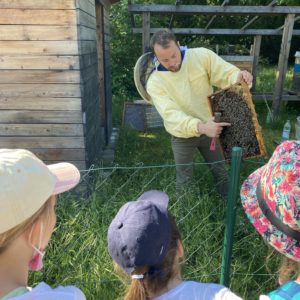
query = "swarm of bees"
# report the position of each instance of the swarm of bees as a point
(236, 107)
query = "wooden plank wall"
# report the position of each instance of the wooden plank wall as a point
(94, 133)
(108, 83)
(40, 91)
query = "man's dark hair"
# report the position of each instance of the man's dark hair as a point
(163, 38)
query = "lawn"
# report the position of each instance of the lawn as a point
(78, 255)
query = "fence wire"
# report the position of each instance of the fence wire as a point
(78, 251)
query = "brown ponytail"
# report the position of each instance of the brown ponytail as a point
(136, 291)
(151, 284)
(289, 269)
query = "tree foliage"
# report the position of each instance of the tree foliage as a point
(125, 49)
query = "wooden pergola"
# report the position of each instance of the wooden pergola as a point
(290, 13)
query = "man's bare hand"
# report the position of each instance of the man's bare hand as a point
(245, 76)
(211, 128)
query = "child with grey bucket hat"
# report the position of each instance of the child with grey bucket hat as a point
(28, 195)
(143, 239)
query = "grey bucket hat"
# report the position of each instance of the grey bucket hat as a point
(140, 233)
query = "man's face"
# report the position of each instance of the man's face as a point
(169, 57)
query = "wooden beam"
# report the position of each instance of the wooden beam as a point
(41, 130)
(107, 3)
(42, 142)
(86, 6)
(214, 16)
(85, 19)
(146, 32)
(41, 4)
(214, 10)
(39, 76)
(272, 3)
(40, 117)
(37, 17)
(239, 58)
(172, 17)
(283, 61)
(219, 31)
(31, 62)
(40, 90)
(256, 50)
(243, 62)
(80, 164)
(87, 34)
(269, 96)
(38, 103)
(250, 22)
(60, 154)
(24, 48)
(37, 32)
(132, 15)
(281, 27)
(101, 63)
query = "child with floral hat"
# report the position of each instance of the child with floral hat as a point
(143, 239)
(28, 193)
(271, 199)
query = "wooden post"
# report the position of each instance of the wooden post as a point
(282, 62)
(101, 63)
(255, 53)
(146, 31)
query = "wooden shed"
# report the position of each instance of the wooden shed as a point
(55, 86)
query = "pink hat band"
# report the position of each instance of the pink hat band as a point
(67, 176)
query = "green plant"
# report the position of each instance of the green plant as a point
(266, 78)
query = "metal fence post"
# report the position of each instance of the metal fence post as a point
(236, 158)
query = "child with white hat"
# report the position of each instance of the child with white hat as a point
(28, 190)
(271, 199)
(143, 239)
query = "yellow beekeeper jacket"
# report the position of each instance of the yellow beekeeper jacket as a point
(181, 97)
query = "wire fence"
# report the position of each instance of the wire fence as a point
(78, 253)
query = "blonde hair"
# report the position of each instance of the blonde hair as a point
(7, 237)
(288, 270)
(156, 278)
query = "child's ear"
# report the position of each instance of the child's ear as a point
(180, 251)
(32, 233)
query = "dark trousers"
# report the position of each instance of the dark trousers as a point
(183, 150)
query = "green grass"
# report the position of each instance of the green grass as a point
(266, 78)
(78, 251)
